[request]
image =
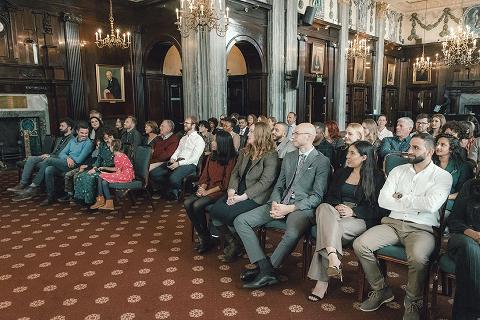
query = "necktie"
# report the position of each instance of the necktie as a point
(290, 192)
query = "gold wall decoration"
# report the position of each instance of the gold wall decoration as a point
(13, 102)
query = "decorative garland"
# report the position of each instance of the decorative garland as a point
(446, 15)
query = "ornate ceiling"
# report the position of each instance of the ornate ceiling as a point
(408, 6)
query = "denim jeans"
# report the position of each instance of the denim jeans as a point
(31, 163)
(161, 175)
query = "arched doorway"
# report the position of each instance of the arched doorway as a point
(163, 73)
(247, 79)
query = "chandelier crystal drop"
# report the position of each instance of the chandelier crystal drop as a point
(114, 39)
(460, 48)
(358, 48)
(202, 15)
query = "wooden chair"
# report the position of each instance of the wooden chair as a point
(141, 166)
(444, 270)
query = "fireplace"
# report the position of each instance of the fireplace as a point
(469, 103)
(19, 112)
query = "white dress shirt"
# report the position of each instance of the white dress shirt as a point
(384, 133)
(190, 148)
(423, 193)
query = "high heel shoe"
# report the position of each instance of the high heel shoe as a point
(334, 271)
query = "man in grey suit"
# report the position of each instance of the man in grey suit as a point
(298, 192)
(279, 135)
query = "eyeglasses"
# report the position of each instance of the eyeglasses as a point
(424, 123)
(299, 133)
(188, 122)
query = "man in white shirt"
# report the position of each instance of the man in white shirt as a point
(383, 132)
(414, 193)
(292, 123)
(183, 161)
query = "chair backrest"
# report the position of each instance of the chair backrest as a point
(393, 160)
(439, 232)
(200, 165)
(48, 143)
(142, 163)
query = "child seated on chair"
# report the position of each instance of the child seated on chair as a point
(122, 172)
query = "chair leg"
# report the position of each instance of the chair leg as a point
(434, 292)
(149, 194)
(426, 295)
(362, 284)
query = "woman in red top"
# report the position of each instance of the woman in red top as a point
(121, 173)
(213, 184)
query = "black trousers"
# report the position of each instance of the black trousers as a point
(226, 214)
(195, 207)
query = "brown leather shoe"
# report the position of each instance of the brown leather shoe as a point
(108, 205)
(99, 203)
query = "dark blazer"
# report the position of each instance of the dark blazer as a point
(371, 213)
(243, 138)
(466, 209)
(114, 87)
(312, 181)
(260, 177)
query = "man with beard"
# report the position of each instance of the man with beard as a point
(279, 135)
(414, 194)
(183, 161)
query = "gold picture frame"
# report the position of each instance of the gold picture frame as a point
(318, 58)
(359, 70)
(390, 81)
(420, 77)
(110, 83)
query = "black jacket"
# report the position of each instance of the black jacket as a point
(371, 213)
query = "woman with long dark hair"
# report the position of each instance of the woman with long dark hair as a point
(350, 208)
(213, 184)
(464, 248)
(96, 129)
(450, 156)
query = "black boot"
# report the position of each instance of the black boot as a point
(205, 243)
(233, 246)
(265, 277)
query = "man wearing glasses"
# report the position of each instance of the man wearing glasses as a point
(422, 124)
(183, 161)
(296, 195)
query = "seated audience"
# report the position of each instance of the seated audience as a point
(436, 123)
(32, 162)
(95, 113)
(228, 125)
(131, 138)
(401, 141)
(243, 131)
(166, 145)
(291, 122)
(449, 156)
(250, 185)
(471, 137)
(213, 123)
(350, 208)
(204, 131)
(251, 119)
(475, 146)
(353, 133)
(85, 185)
(422, 124)
(183, 162)
(332, 135)
(370, 131)
(122, 172)
(279, 136)
(271, 122)
(118, 128)
(96, 128)
(414, 194)
(464, 248)
(383, 132)
(321, 144)
(213, 184)
(71, 157)
(297, 193)
(234, 116)
(151, 134)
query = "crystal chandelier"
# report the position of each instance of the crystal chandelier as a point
(358, 48)
(459, 49)
(423, 64)
(114, 39)
(202, 15)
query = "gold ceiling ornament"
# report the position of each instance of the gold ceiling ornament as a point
(202, 15)
(422, 63)
(381, 8)
(114, 39)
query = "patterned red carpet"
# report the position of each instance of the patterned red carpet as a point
(60, 262)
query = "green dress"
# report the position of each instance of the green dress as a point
(86, 184)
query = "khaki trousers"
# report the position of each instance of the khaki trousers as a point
(332, 231)
(419, 243)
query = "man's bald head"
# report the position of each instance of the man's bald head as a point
(304, 135)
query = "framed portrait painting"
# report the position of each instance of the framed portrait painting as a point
(110, 83)
(422, 77)
(471, 18)
(318, 58)
(390, 74)
(359, 70)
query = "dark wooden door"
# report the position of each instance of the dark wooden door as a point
(421, 100)
(164, 98)
(359, 100)
(315, 106)
(390, 105)
(236, 95)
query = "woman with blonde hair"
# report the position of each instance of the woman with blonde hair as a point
(370, 131)
(353, 133)
(436, 123)
(250, 185)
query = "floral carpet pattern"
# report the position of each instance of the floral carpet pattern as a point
(62, 262)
